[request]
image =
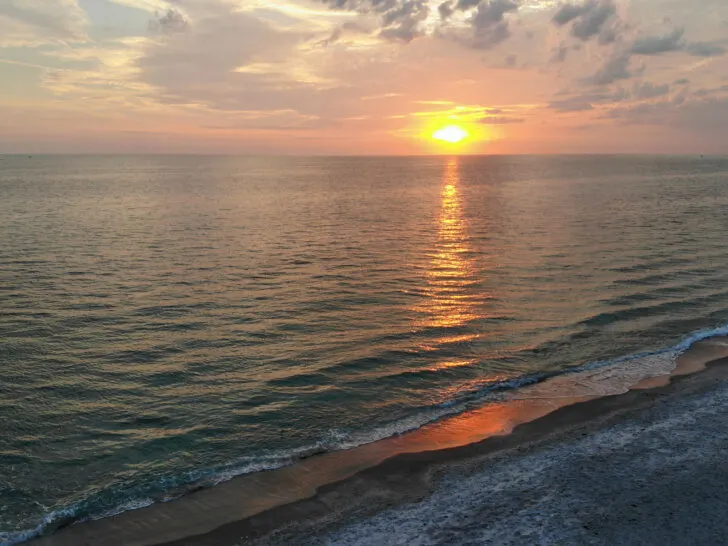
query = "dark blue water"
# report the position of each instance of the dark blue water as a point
(168, 322)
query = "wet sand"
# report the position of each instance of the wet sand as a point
(586, 469)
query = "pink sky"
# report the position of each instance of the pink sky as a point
(363, 76)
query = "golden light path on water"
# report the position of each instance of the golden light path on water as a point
(452, 301)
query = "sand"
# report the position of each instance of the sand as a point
(643, 467)
(660, 476)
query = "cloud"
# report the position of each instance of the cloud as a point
(233, 65)
(673, 41)
(568, 12)
(400, 20)
(501, 120)
(445, 10)
(227, 60)
(708, 116)
(334, 37)
(464, 5)
(648, 90)
(575, 104)
(588, 19)
(404, 20)
(558, 54)
(350, 28)
(586, 101)
(230, 61)
(267, 120)
(36, 22)
(591, 23)
(485, 27)
(704, 49)
(171, 21)
(489, 25)
(711, 91)
(403, 23)
(494, 11)
(152, 6)
(509, 62)
(616, 68)
(656, 45)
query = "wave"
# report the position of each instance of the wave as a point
(633, 367)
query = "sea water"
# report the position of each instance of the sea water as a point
(169, 322)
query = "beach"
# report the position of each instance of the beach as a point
(642, 467)
(652, 473)
(655, 474)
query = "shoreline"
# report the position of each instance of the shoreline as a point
(325, 490)
(651, 473)
(410, 478)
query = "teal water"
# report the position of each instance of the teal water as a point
(169, 322)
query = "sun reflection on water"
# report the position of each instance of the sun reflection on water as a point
(451, 299)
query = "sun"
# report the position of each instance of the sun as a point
(451, 134)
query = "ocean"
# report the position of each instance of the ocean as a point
(169, 322)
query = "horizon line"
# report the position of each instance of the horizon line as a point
(349, 155)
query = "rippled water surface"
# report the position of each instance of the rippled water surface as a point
(172, 321)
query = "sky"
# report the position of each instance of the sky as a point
(363, 76)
